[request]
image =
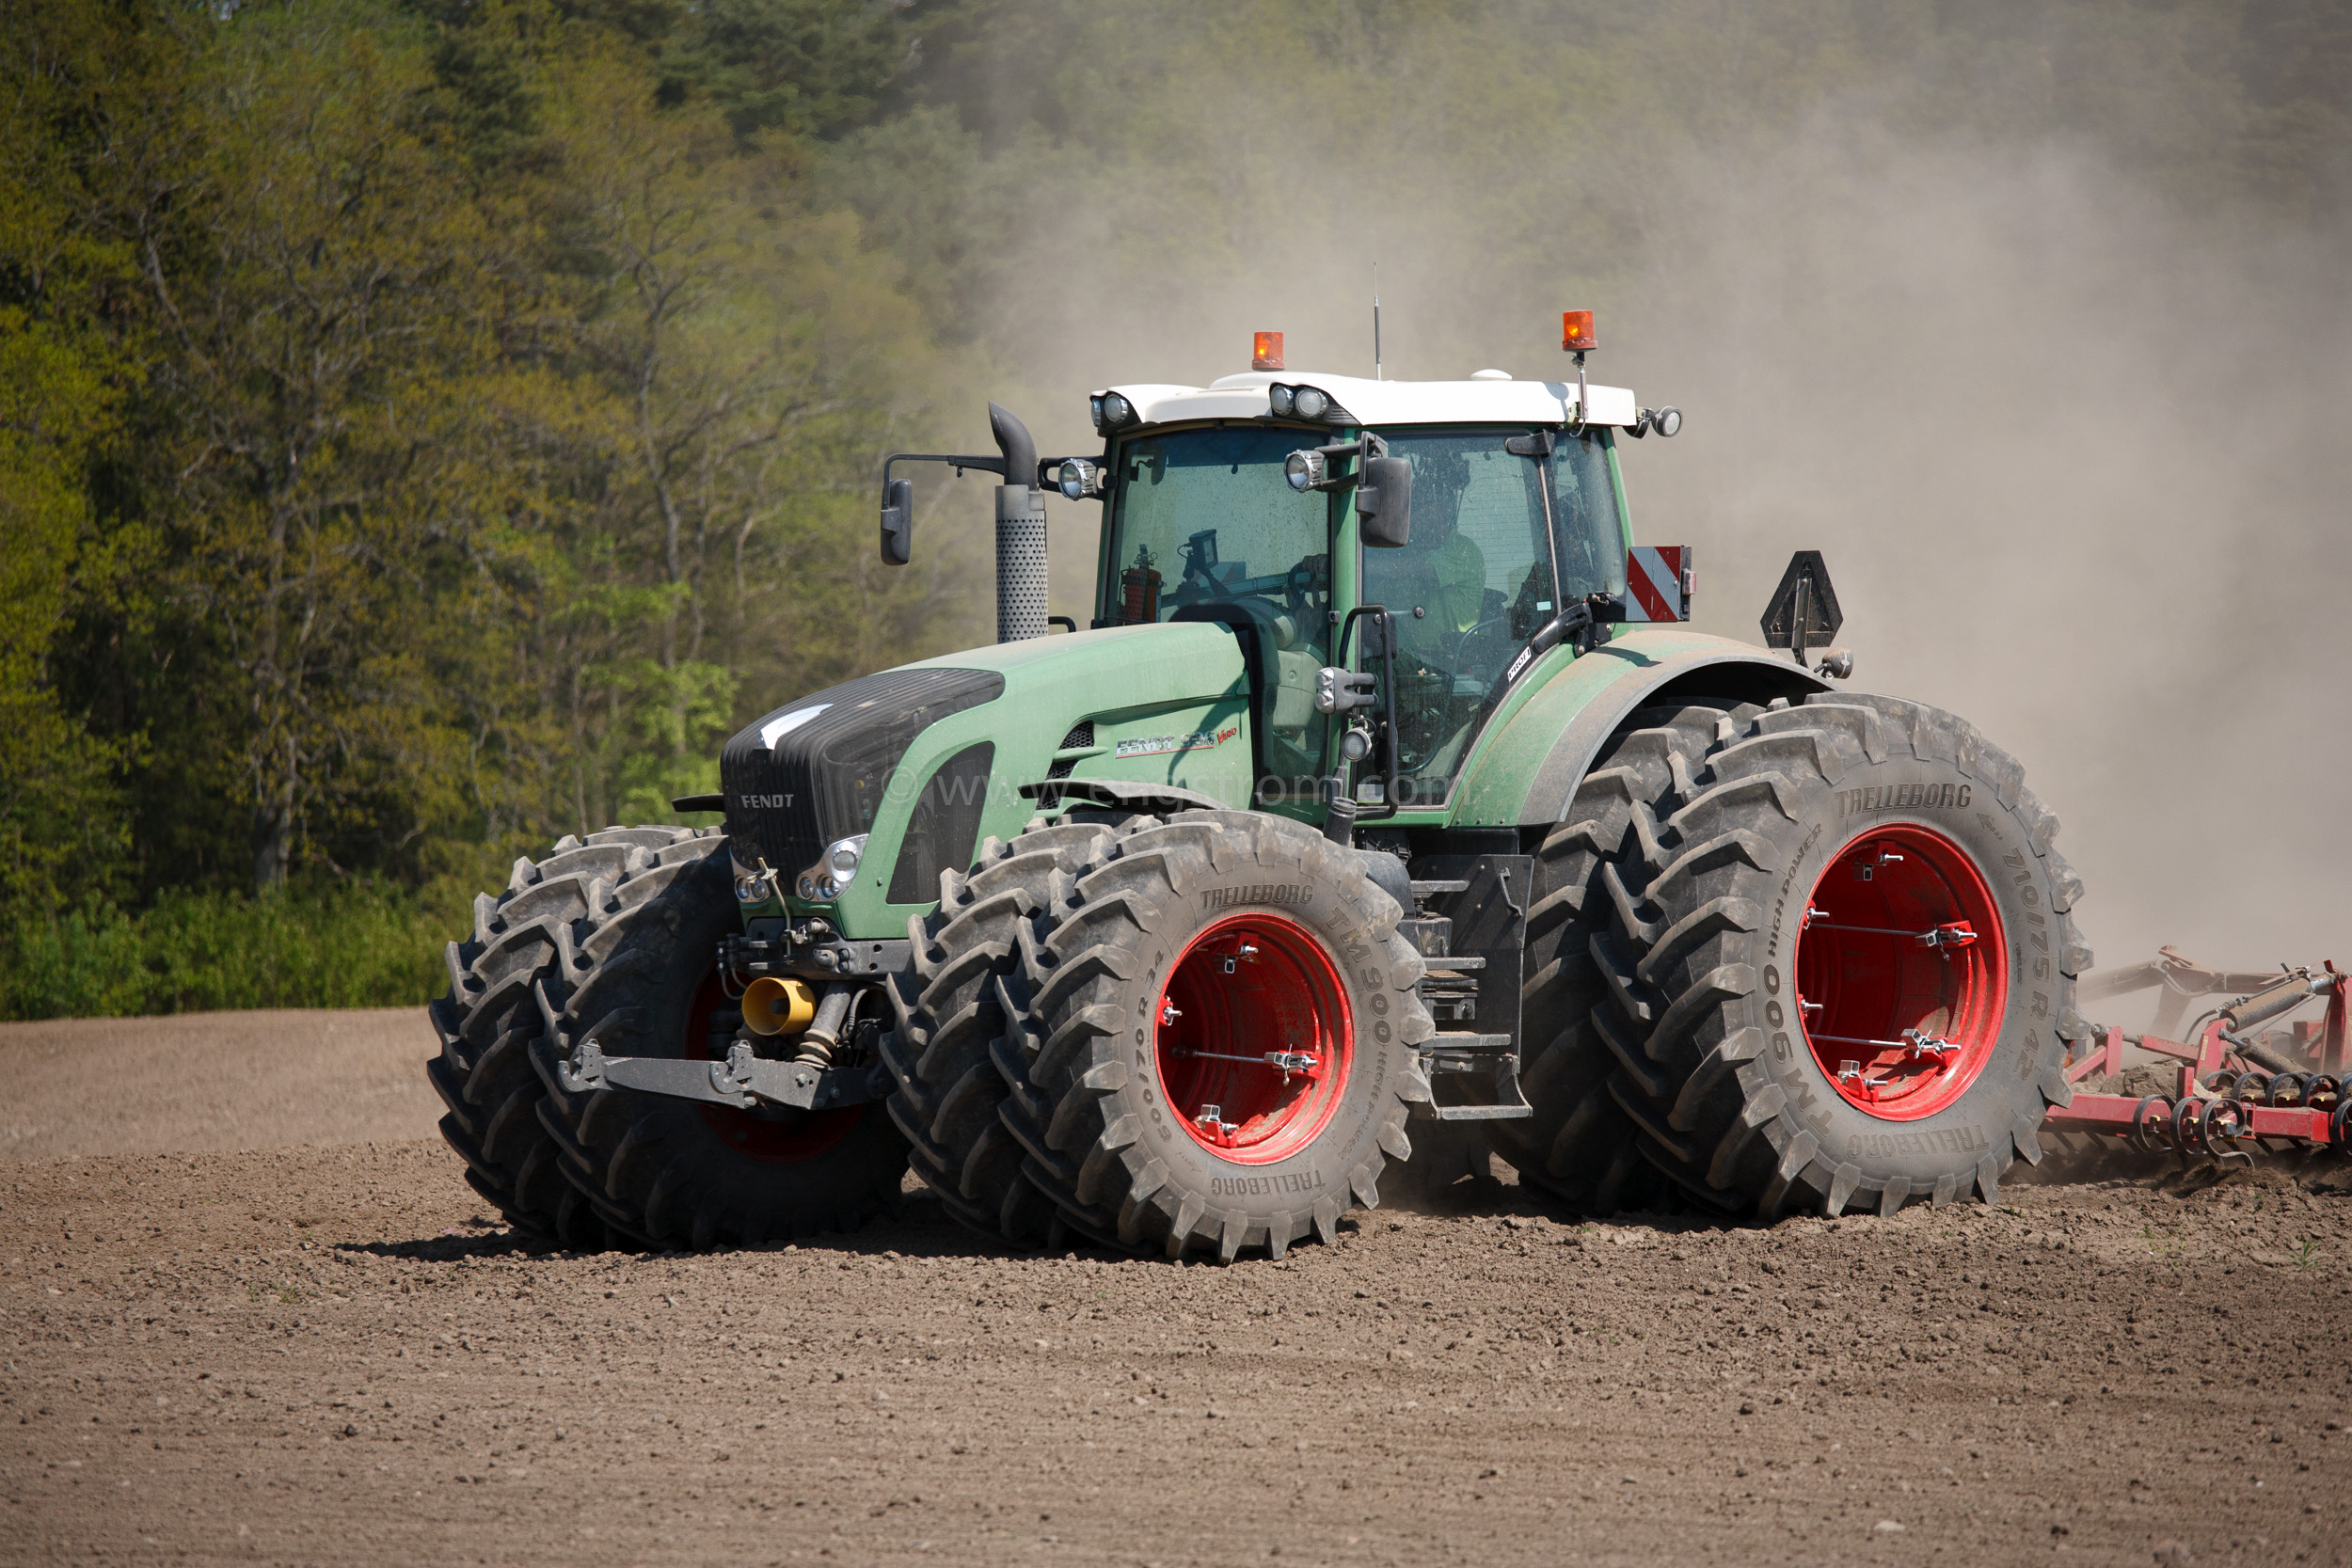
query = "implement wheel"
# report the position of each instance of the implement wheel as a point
(642, 978)
(1849, 978)
(1211, 1037)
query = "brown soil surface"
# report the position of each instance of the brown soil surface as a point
(328, 1355)
(214, 1080)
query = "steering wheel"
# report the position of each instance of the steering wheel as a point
(1462, 643)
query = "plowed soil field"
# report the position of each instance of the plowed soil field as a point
(252, 1314)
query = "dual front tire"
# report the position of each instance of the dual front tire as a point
(615, 938)
(1172, 1035)
(1183, 1034)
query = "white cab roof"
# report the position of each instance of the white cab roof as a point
(1482, 401)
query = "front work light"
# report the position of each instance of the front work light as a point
(1078, 479)
(1277, 397)
(1117, 410)
(1305, 470)
(1311, 403)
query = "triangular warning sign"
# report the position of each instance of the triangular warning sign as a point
(1803, 602)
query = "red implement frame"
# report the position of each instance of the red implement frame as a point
(2214, 1103)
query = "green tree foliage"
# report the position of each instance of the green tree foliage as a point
(423, 431)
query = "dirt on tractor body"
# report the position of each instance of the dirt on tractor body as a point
(326, 1354)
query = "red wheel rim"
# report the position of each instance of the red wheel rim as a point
(1902, 973)
(775, 1137)
(1253, 1040)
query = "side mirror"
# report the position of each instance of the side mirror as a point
(898, 522)
(1384, 502)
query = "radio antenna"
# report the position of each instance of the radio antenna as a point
(1376, 321)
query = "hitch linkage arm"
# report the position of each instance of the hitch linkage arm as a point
(743, 1081)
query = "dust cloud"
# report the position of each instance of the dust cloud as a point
(2074, 447)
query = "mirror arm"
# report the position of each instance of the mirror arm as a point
(960, 462)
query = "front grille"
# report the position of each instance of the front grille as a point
(824, 778)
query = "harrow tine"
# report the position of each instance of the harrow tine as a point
(2188, 1128)
(2223, 1122)
(2142, 1127)
(2237, 1093)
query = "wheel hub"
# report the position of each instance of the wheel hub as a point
(1253, 1040)
(1901, 971)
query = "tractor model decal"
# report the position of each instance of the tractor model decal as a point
(1160, 745)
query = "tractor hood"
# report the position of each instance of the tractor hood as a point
(924, 761)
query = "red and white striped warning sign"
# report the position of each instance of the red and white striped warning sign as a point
(1657, 583)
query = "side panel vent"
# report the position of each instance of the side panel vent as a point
(1081, 737)
(946, 821)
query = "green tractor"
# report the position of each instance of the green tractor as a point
(1385, 806)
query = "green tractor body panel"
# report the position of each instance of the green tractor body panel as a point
(1544, 737)
(1168, 705)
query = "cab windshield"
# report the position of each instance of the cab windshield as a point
(1496, 539)
(1204, 519)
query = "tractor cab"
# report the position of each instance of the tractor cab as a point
(1240, 501)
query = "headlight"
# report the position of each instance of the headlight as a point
(1311, 403)
(1305, 469)
(1279, 399)
(834, 871)
(1117, 410)
(1667, 422)
(1080, 479)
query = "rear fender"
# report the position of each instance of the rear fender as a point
(1525, 774)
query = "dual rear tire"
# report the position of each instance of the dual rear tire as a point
(1816, 956)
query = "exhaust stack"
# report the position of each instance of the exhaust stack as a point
(1020, 533)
